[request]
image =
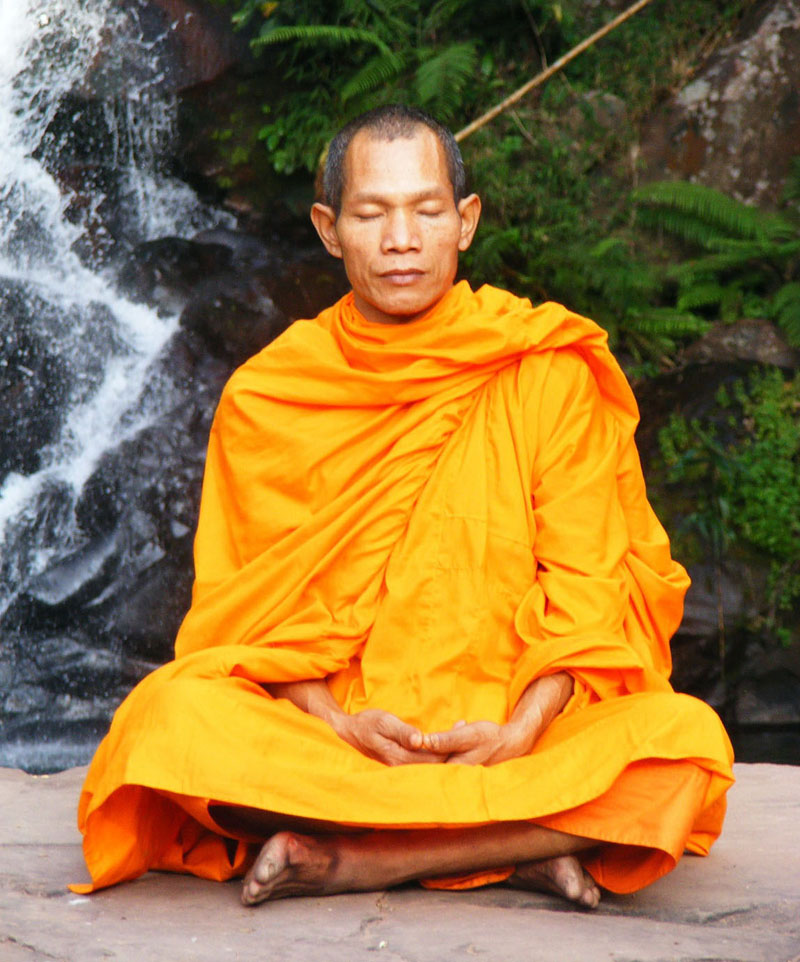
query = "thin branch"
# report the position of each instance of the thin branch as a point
(535, 32)
(522, 128)
(548, 73)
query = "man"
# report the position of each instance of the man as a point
(431, 616)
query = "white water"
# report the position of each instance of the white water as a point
(50, 49)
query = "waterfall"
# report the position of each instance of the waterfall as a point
(105, 343)
(76, 356)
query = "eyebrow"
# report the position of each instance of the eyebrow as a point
(429, 193)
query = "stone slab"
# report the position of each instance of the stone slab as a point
(742, 904)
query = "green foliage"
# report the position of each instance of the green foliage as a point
(743, 470)
(749, 260)
(558, 220)
(703, 216)
(314, 34)
(335, 60)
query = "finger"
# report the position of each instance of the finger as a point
(461, 739)
(476, 757)
(400, 732)
(393, 754)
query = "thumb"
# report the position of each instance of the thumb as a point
(404, 734)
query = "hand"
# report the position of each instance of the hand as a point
(480, 743)
(384, 737)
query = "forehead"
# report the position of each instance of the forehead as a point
(375, 165)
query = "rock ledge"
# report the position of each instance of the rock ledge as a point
(742, 904)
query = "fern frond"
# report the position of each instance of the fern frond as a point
(608, 245)
(729, 217)
(791, 187)
(705, 293)
(712, 265)
(442, 13)
(787, 311)
(753, 250)
(440, 79)
(787, 297)
(379, 70)
(314, 34)
(790, 325)
(686, 227)
(668, 322)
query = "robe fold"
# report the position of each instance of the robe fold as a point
(430, 515)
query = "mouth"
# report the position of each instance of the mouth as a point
(402, 276)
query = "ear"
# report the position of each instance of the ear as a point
(324, 220)
(469, 209)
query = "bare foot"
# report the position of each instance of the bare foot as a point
(291, 864)
(565, 876)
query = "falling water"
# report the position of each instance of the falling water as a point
(82, 351)
(105, 343)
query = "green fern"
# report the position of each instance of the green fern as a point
(702, 293)
(313, 34)
(669, 322)
(440, 78)
(684, 209)
(684, 226)
(379, 70)
(791, 187)
(443, 13)
(786, 304)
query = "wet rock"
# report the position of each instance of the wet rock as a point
(169, 43)
(202, 40)
(164, 273)
(34, 380)
(736, 125)
(234, 315)
(77, 574)
(311, 281)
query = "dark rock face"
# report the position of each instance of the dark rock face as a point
(37, 385)
(107, 607)
(737, 124)
(33, 384)
(203, 43)
(721, 652)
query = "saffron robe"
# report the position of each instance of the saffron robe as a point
(430, 515)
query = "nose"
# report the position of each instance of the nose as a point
(400, 232)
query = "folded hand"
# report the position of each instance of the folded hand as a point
(480, 743)
(385, 737)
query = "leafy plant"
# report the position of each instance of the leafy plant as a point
(334, 60)
(749, 260)
(743, 470)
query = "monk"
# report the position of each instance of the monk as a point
(429, 633)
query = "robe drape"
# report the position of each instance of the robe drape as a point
(430, 515)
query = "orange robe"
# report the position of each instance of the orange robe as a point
(429, 515)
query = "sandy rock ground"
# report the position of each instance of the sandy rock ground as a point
(742, 904)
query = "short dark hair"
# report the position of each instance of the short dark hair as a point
(388, 123)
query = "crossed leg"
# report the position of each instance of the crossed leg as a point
(291, 863)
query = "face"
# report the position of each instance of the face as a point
(399, 230)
